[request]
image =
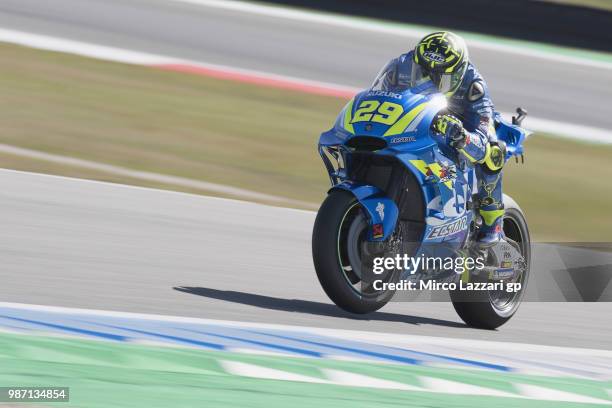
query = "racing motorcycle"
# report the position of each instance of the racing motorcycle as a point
(397, 188)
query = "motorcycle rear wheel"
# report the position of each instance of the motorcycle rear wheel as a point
(478, 309)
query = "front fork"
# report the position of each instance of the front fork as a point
(382, 211)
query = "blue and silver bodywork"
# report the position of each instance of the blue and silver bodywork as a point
(380, 130)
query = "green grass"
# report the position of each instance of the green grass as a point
(246, 136)
(257, 138)
(564, 188)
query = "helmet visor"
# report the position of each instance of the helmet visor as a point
(449, 83)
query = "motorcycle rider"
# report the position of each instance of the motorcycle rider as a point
(468, 124)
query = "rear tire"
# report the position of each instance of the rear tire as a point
(339, 216)
(476, 308)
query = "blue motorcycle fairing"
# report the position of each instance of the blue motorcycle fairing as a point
(332, 137)
(421, 108)
(445, 195)
(381, 210)
(447, 216)
(512, 135)
(445, 179)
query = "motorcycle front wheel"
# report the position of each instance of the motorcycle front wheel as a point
(341, 254)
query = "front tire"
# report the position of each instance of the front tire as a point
(339, 247)
(478, 309)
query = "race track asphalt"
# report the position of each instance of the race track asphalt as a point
(77, 243)
(92, 245)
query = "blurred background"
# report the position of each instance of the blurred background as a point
(228, 99)
(231, 128)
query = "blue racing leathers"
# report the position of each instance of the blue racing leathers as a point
(472, 105)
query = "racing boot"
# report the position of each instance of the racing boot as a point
(491, 207)
(492, 231)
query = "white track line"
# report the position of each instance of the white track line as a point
(430, 384)
(549, 394)
(454, 387)
(340, 377)
(102, 52)
(392, 339)
(567, 130)
(107, 53)
(521, 358)
(153, 177)
(524, 48)
(256, 371)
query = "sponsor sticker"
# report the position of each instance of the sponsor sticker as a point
(447, 173)
(377, 230)
(476, 142)
(403, 139)
(433, 56)
(503, 274)
(449, 228)
(380, 209)
(385, 93)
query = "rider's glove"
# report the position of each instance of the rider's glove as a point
(452, 129)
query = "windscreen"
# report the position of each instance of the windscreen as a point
(399, 75)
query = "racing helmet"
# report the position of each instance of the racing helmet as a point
(444, 57)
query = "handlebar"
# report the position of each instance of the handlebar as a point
(522, 114)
